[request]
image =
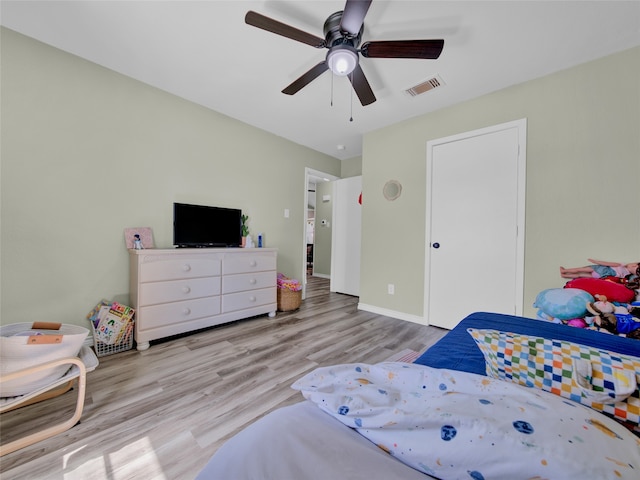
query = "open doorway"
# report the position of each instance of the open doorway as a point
(317, 228)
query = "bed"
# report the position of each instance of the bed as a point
(474, 406)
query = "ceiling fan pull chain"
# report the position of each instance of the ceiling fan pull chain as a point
(332, 90)
(351, 90)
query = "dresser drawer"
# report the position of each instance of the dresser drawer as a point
(175, 268)
(248, 281)
(178, 312)
(239, 301)
(176, 290)
(245, 263)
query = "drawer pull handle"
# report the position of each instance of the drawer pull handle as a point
(186, 311)
(253, 281)
(253, 263)
(186, 267)
(252, 298)
(186, 289)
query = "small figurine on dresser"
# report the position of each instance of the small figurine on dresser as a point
(137, 242)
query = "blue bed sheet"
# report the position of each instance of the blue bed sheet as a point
(458, 351)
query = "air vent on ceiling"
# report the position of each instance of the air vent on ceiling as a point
(434, 82)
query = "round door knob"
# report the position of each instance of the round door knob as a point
(186, 267)
(253, 281)
(253, 263)
(252, 298)
(436, 245)
(186, 311)
(186, 289)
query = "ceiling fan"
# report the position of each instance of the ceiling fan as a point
(343, 32)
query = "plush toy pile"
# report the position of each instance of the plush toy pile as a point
(287, 283)
(608, 304)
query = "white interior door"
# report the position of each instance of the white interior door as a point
(346, 236)
(475, 224)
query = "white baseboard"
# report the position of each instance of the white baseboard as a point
(321, 275)
(392, 313)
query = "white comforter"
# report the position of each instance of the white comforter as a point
(445, 423)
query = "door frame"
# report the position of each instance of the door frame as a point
(521, 126)
(309, 172)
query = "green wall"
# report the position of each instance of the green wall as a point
(583, 177)
(351, 167)
(87, 152)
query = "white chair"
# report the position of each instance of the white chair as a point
(86, 361)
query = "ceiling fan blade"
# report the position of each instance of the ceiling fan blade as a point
(306, 78)
(426, 49)
(353, 16)
(362, 87)
(270, 25)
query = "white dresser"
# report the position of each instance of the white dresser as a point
(180, 290)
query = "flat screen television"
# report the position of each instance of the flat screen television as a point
(200, 226)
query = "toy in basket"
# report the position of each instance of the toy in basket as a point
(289, 293)
(112, 327)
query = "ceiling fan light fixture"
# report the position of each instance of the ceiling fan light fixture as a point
(342, 35)
(342, 60)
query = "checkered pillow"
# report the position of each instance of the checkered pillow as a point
(602, 380)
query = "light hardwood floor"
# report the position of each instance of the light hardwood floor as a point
(162, 413)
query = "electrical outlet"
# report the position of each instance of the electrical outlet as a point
(391, 289)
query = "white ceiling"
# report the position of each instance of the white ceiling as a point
(204, 52)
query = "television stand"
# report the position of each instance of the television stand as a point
(179, 290)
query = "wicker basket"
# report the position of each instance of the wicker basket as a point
(288, 300)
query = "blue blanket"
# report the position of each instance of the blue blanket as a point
(458, 351)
